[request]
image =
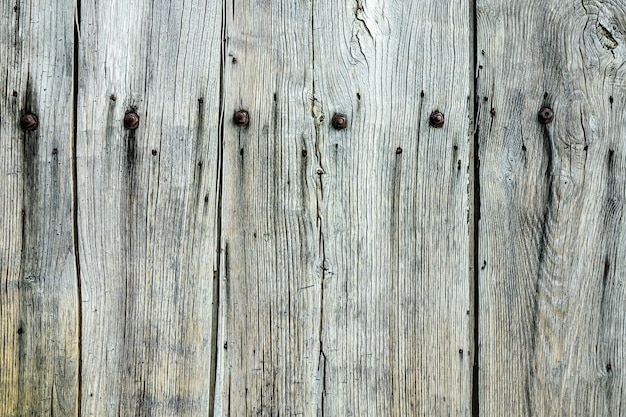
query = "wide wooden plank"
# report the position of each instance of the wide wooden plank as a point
(148, 205)
(39, 346)
(393, 202)
(269, 361)
(345, 279)
(552, 247)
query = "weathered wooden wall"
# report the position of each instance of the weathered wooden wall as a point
(196, 267)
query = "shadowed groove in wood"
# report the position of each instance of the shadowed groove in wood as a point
(218, 242)
(79, 314)
(474, 211)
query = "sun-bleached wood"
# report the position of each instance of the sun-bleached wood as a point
(147, 205)
(269, 360)
(552, 246)
(39, 343)
(344, 286)
(393, 204)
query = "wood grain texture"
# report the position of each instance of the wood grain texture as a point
(269, 362)
(552, 243)
(148, 205)
(394, 206)
(345, 279)
(39, 346)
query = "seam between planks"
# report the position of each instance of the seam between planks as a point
(474, 205)
(79, 313)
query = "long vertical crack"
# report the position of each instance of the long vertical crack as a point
(218, 221)
(318, 118)
(75, 202)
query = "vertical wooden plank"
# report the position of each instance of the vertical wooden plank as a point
(39, 347)
(552, 244)
(148, 204)
(394, 206)
(269, 357)
(345, 287)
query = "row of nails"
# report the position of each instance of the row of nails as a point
(30, 122)
(338, 122)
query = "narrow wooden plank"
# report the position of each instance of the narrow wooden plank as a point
(552, 244)
(345, 287)
(394, 206)
(39, 346)
(148, 204)
(270, 289)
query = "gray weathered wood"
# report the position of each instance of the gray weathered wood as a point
(552, 245)
(147, 205)
(345, 283)
(39, 346)
(394, 206)
(270, 294)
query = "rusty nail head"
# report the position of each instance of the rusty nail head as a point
(29, 122)
(545, 115)
(131, 120)
(436, 119)
(241, 118)
(339, 121)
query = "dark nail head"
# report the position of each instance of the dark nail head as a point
(436, 119)
(241, 118)
(29, 122)
(131, 121)
(339, 121)
(545, 115)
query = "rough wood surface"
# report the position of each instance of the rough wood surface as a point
(147, 205)
(39, 347)
(270, 295)
(345, 264)
(345, 274)
(552, 245)
(393, 205)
